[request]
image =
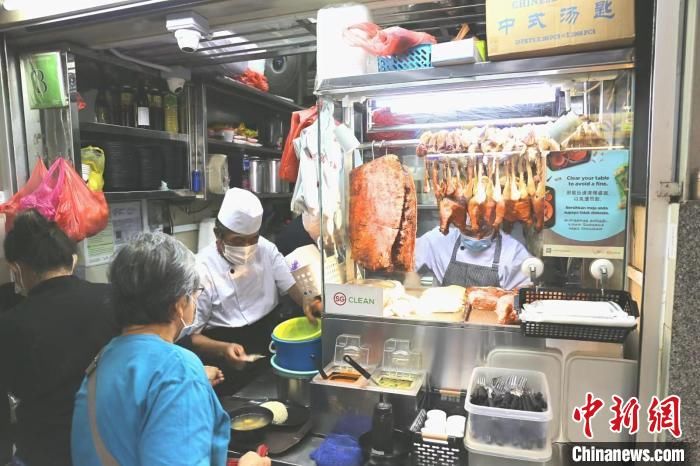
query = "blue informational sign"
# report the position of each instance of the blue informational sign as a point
(586, 203)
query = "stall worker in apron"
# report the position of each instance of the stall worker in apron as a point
(459, 258)
(243, 275)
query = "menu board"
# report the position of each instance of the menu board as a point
(586, 204)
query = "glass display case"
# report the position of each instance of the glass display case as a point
(459, 175)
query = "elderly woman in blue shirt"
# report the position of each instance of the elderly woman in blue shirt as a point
(151, 400)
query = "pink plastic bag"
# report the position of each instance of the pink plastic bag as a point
(385, 42)
(12, 207)
(45, 198)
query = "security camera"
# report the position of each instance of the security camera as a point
(189, 28)
(188, 40)
(176, 78)
(175, 85)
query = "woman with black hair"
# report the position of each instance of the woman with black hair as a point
(48, 340)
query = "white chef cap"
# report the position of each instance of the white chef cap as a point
(241, 211)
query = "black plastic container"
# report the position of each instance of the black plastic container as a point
(121, 166)
(150, 160)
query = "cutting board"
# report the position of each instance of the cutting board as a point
(603, 377)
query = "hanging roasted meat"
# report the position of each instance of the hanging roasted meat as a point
(476, 203)
(453, 205)
(433, 143)
(383, 215)
(426, 175)
(530, 179)
(451, 213)
(522, 207)
(538, 198)
(499, 199)
(489, 214)
(435, 181)
(423, 144)
(511, 194)
(441, 141)
(449, 179)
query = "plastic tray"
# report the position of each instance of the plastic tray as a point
(495, 431)
(447, 451)
(418, 57)
(602, 333)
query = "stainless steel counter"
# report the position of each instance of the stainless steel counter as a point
(264, 387)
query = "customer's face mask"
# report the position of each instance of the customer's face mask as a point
(239, 255)
(187, 329)
(16, 276)
(476, 245)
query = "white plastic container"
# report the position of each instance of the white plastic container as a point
(334, 56)
(495, 431)
(455, 53)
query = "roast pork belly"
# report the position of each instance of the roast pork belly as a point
(383, 215)
(484, 298)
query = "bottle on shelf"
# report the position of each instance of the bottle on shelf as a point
(156, 109)
(245, 178)
(170, 113)
(142, 109)
(102, 112)
(113, 96)
(126, 100)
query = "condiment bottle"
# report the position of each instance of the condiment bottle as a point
(142, 114)
(126, 98)
(156, 109)
(102, 107)
(170, 113)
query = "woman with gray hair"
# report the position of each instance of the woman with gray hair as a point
(146, 401)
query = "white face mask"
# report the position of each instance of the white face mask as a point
(239, 255)
(17, 279)
(187, 329)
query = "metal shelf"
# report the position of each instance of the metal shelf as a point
(243, 91)
(126, 131)
(526, 68)
(253, 150)
(117, 196)
(274, 195)
(259, 195)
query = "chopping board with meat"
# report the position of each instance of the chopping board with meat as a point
(383, 215)
(491, 305)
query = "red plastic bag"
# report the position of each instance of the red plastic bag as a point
(289, 165)
(12, 207)
(80, 213)
(64, 198)
(254, 79)
(385, 42)
(383, 117)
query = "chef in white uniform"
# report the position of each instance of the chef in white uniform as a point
(461, 259)
(243, 276)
